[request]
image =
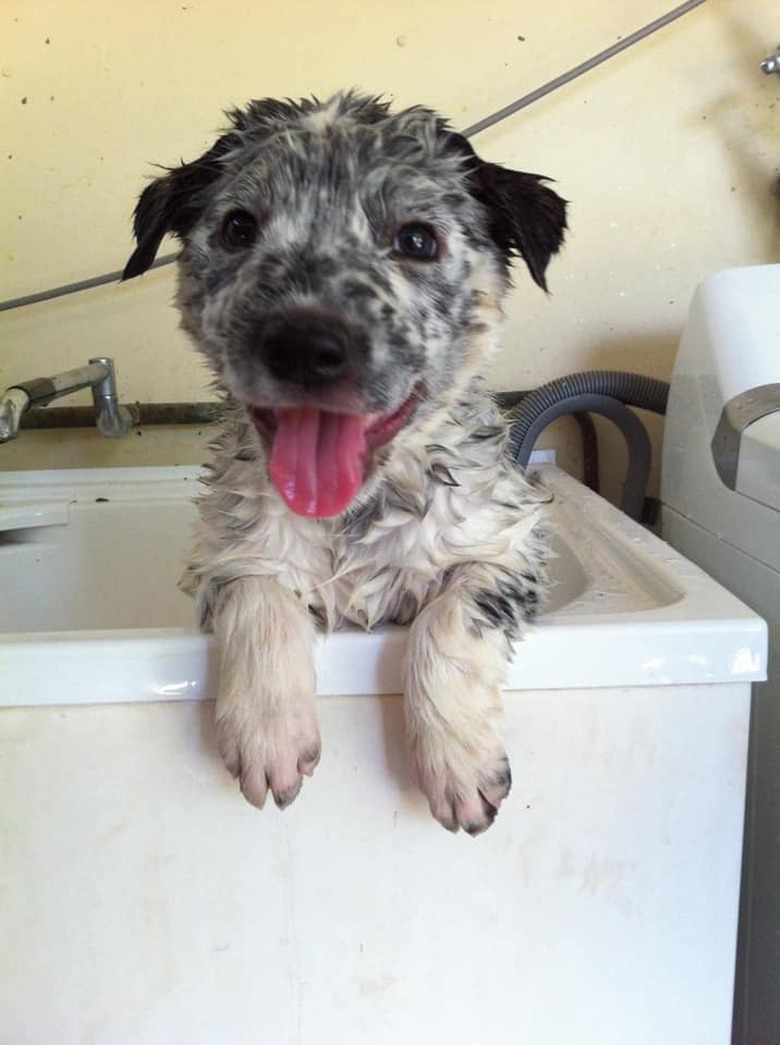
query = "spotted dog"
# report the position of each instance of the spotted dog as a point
(342, 270)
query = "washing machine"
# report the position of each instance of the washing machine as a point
(721, 508)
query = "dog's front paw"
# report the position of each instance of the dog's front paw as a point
(464, 787)
(452, 705)
(266, 711)
(275, 754)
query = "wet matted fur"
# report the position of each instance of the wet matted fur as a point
(342, 271)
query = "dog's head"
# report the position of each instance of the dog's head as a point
(342, 271)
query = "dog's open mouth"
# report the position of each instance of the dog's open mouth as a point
(319, 458)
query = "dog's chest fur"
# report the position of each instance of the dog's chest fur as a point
(449, 497)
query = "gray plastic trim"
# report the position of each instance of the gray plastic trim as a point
(738, 413)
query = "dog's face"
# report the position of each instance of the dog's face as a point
(342, 271)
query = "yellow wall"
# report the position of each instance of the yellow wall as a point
(667, 154)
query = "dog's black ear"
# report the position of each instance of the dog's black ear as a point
(526, 217)
(174, 202)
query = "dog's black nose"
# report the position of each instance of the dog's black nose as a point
(307, 348)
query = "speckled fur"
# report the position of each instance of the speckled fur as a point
(444, 534)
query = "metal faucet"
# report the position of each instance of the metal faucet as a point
(113, 420)
(771, 64)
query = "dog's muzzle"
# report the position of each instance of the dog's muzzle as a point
(319, 455)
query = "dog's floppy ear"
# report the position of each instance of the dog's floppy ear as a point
(174, 202)
(526, 217)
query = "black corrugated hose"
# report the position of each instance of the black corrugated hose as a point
(606, 392)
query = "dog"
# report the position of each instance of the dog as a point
(342, 270)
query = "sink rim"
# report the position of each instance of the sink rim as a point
(702, 634)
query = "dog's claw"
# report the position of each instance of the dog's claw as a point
(477, 827)
(494, 790)
(309, 761)
(285, 797)
(254, 790)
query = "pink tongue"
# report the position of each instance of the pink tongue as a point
(317, 460)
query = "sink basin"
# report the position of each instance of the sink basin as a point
(92, 559)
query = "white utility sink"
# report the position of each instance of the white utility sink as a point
(147, 903)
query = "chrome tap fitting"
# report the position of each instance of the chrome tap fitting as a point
(113, 420)
(771, 64)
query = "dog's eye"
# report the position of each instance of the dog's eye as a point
(417, 241)
(239, 230)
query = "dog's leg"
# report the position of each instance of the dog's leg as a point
(266, 716)
(455, 666)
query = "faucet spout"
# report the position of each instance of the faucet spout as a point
(113, 420)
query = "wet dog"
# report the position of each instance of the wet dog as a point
(342, 271)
